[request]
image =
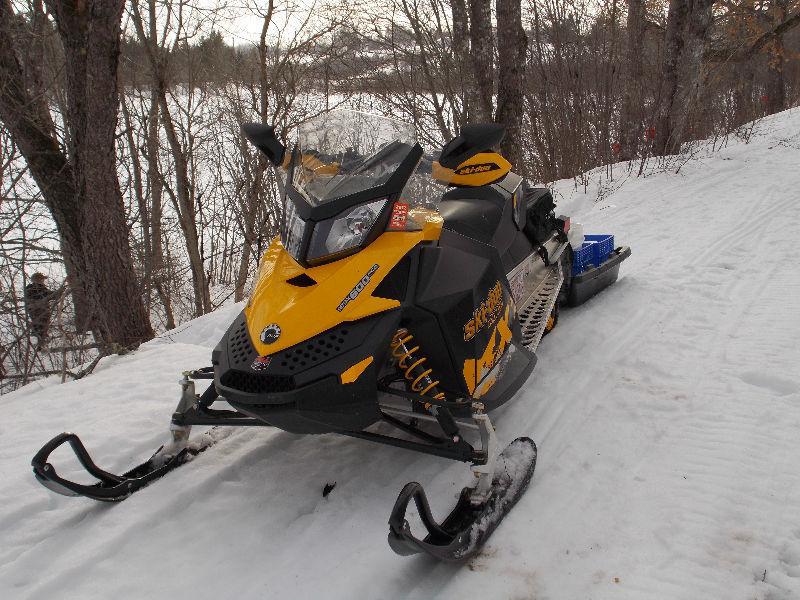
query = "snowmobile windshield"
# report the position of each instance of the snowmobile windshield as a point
(346, 172)
(344, 152)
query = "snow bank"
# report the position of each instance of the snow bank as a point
(666, 411)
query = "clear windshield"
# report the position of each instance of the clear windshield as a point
(343, 152)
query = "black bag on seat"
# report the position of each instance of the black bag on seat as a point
(540, 219)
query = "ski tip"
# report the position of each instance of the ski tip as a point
(465, 531)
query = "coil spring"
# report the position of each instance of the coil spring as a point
(421, 381)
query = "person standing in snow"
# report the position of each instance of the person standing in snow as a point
(37, 303)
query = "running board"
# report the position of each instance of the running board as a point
(534, 312)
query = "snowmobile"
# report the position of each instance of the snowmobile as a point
(402, 302)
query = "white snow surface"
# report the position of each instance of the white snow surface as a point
(666, 411)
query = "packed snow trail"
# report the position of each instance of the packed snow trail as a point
(666, 411)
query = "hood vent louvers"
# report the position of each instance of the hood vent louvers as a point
(301, 280)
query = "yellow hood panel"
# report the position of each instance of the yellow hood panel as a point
(303, 312)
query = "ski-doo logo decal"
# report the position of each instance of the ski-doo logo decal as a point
(270, 333)
(473, 169)
(486, 313)
(399, 216)
(475, 369)
(261, 363)
(359, 287)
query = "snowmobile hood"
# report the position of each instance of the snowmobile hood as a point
(291, 304)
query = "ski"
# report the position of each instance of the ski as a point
(111, 487)
(466, 529)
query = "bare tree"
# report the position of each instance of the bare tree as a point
(512, 51)
(82, 191)
(683, 72)
(482, 48)
(632, 116)
(159, 54)
(461, 56)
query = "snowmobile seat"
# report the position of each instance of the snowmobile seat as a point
(485, 215)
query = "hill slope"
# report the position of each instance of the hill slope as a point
(667, 413)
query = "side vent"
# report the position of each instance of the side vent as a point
(394, 284)
(301, 280)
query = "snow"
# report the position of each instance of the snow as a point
(666, 412)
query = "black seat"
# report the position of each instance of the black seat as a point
(485, 215)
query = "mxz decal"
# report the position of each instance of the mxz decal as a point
(486, 313)
(359, 287)
(473, 169)
(475, 369)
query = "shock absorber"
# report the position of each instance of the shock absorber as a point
(412, 364)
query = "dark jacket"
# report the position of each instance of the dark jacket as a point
(37, 293)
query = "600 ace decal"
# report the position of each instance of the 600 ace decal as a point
(357, 289)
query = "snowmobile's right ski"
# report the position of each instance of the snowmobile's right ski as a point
(465, 530)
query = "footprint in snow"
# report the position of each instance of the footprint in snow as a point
(773, 383)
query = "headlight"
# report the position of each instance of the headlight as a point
(346, 231)
(292, 230)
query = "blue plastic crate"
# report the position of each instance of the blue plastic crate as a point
(602, 247)
(595, 251)
(582, 258)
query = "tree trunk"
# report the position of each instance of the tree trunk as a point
(743, 95)
(141, 203)
(692, 73)
(460, 48)
(776, 86)
(631, 118)
(512, 49)
(90, 34)
(24, 111)
(263, 75)
(684, 71)
(185, 207)
(156, 188)
(673, 46)
(249, 226)
(183, 197)
(482, 53)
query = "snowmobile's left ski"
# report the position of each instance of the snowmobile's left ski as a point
(463, 533)
(111, 487)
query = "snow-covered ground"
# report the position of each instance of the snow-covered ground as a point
(666, 410)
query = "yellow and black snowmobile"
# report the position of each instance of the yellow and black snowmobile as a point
(401, 303)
